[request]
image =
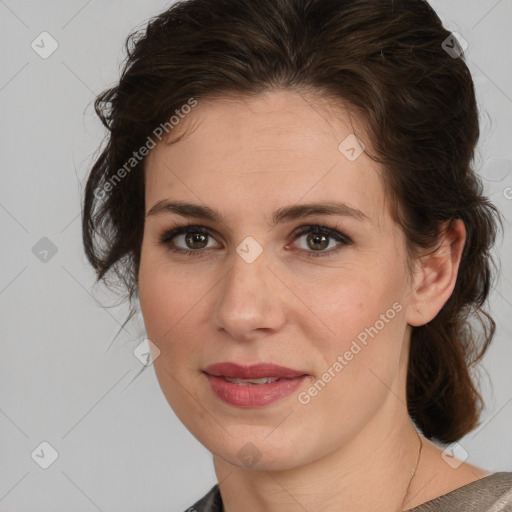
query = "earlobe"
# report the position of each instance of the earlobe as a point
(436, 276)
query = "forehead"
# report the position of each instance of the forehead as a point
(244, 154)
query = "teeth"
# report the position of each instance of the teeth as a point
(264, 380)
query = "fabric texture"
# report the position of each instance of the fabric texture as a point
(492, 493)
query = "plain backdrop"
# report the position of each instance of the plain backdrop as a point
(114, 444)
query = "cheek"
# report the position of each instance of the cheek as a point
(361, 361)
(175, 304)
(166, 294)
(356, 300)
(169, 304)
(362, 354)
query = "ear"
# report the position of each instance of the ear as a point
(436, 274)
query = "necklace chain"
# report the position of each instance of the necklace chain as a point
(413, 474)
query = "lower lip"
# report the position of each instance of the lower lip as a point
(253, 395)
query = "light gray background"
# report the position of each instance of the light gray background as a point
(63, 377)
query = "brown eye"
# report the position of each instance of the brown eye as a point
(187, 239)
(317, 241)
(321, 240)
(196, 240)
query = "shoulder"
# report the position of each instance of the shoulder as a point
(210, 502)
(492, 493)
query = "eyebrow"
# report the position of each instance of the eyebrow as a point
(286, 213)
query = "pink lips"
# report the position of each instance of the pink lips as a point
(252, 395)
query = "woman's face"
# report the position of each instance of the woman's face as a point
(256, 288)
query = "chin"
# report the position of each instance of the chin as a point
(254, 447)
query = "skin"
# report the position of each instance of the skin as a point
(246, 158)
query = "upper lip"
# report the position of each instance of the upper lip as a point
(254, 371)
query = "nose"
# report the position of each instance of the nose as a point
(249, 300)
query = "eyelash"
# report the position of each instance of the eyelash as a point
(344, 240)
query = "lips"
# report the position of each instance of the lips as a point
(252, 386)
(255, 371)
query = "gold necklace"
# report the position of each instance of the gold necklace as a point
(413, 473)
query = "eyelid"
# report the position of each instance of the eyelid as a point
(342, 239)
(322, 229)
(168, 234)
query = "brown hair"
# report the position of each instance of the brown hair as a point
(385, 59)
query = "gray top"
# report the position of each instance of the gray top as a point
(492, 493)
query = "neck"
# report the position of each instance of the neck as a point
(371, 472)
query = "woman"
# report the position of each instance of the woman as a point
(287, 189)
